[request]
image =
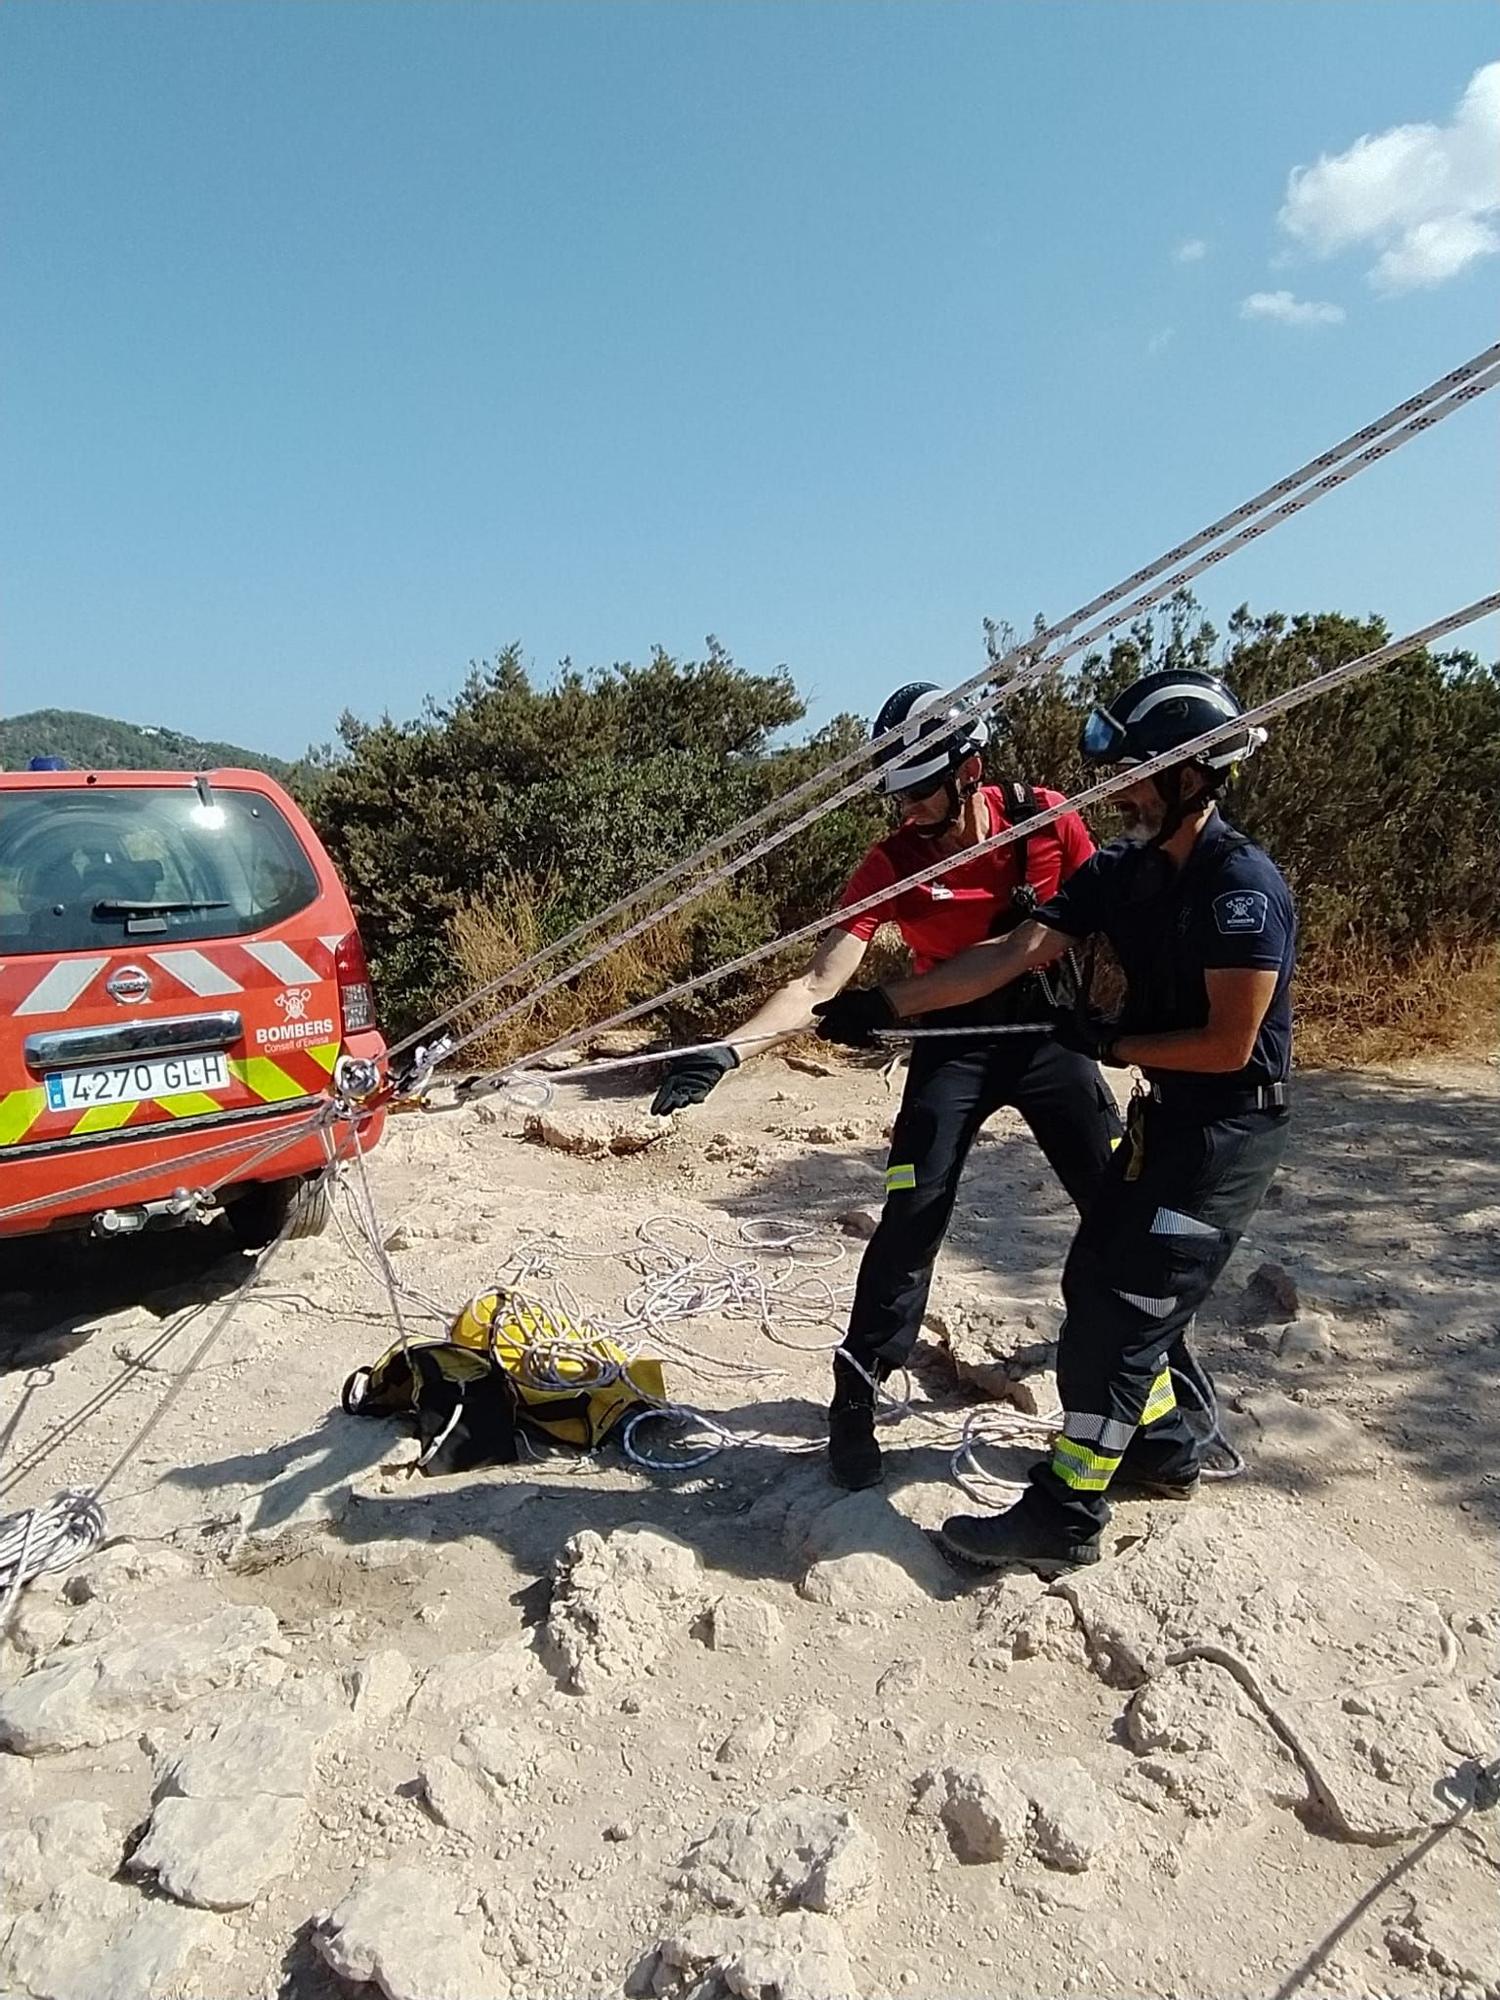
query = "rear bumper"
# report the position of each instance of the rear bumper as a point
(51, 1186)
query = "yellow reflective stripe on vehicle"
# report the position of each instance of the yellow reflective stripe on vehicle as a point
(104, 1118)
(325, 1055)
(189, 1104)
(1162, 1400)
(266, 1079)
(19, 1111)
(1084, 1470)
(897, 1178)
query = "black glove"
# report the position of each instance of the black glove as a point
(853, 1017)
(1094, 1039)
(691, 1078)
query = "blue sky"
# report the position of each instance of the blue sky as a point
(341, 344)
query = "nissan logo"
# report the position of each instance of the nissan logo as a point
(128, 985)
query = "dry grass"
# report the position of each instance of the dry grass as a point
(1354, 1007)
(491, 934)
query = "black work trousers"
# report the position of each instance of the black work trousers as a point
(1174, 1203)
(952, 1087)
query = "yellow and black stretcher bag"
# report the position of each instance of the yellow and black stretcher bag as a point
(504, 1370)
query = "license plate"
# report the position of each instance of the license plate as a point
(133, 1083)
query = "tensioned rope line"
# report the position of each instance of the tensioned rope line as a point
(1092, 795)
(1163, 588)
(1471, 378)
(306, 1124)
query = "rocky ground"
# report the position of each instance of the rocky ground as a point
(311, 1725)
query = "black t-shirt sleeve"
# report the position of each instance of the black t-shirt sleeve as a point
(1249, 923)
(1079, 905)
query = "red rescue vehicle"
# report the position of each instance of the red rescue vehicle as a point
(180, 976)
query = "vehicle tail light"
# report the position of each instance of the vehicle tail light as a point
(356, 994)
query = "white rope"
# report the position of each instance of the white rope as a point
(1091, 795)
(1368, 445)
(69, 1525)
(306, 1124)
(48, 1537)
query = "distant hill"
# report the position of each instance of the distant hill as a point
(98, 743)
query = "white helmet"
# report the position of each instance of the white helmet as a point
(938, 738)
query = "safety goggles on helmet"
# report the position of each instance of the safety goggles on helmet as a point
(1103, 740)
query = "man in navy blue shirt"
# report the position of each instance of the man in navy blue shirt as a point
(1204, 926)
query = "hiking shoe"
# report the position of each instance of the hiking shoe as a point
(1138, 1486)
(853, 1454)
(1015, 1539)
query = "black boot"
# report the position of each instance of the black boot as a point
(1018, 1538)
(853, 1455)
(1128, 1485)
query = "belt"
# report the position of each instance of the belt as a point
(1221, 1103)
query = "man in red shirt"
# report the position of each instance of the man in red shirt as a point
(934, 772)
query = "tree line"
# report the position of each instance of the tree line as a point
(490, 824)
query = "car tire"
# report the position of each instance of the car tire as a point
(259, 1215)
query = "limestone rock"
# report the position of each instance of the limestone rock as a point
(808, 1737)
(739, 1622)
(865, 1554)
(987, 1818)
(399, 1929)
(593, 1134)
(798, 1956)
(1302, 1438)
(380, 1686)
(749, 1742)
(1309, 1338)
(218, 1855)
(810, 1065)
(94, 1940)
(1353, 1665)
(230, 1803)
(796, 1853)
(1005, 1348)
(477, 1685)
(500, 1750)
(96, 1693)
(1199, 1714)
(65, 1840)
(456, 1796)
(1457, 1943)
(617, 1600)
(860, 1222)
(1074, 1816)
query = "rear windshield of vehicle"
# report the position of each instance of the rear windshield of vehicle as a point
(81, 869)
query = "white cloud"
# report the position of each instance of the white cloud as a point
(1191, 252)
(1289, 311)
(1160, 342)
(1426, 197)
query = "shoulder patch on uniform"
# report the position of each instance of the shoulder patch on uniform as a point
(1241, 912)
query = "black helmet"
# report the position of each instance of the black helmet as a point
(1161, 712)
(940, 737)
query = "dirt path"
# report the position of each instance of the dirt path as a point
(627, 1714)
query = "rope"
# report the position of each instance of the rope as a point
(72, 1523)
(473, 1087)
(46, 1538)
(1091, 795)
(1370, 444)
(306, 1124)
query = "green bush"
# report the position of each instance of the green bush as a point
(1382, 802)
